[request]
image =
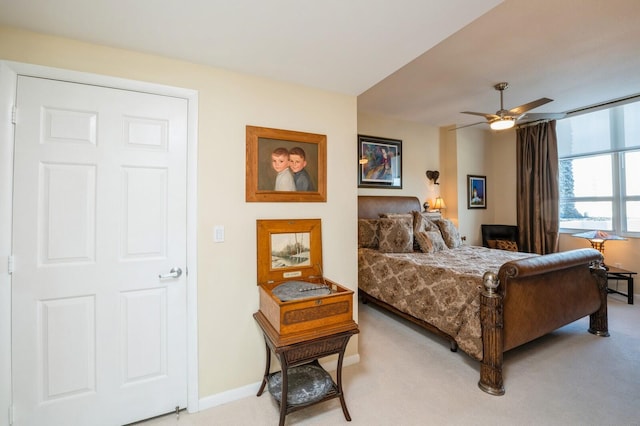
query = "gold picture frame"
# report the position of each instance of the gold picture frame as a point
(262, 143)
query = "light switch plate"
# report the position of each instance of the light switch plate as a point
(218, 234)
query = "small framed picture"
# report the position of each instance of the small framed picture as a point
(285, 165)
(379, 162)
(476, 192)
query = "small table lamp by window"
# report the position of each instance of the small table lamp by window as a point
(597, 239)
(439, 204)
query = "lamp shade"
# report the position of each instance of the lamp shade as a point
(597, 236)
(439, 204)
(502, 123)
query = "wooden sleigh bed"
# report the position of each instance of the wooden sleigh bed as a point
(444, 292)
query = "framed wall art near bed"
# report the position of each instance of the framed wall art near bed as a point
(380, 162)
(476, 192)
(285, 165)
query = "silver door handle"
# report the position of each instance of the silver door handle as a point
(173, 273)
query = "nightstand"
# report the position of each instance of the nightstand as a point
(618, 274)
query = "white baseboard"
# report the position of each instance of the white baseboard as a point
(251, 389)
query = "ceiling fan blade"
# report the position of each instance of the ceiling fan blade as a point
(529, 106)
(482, 114)
(469, 125)
(530, 116)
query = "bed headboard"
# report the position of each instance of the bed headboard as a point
(371, 206)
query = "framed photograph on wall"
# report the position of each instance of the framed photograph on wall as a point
(284, 165)
(476, 192)
(379, 162)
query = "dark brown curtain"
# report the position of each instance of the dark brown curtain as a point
(538, 193)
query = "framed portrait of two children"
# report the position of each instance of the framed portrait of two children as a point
(285, 165)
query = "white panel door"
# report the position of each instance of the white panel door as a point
(98, 337)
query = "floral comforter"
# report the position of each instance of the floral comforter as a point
(442, 288)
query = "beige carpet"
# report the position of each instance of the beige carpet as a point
(406, 376)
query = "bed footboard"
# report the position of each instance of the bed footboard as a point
(532, 297)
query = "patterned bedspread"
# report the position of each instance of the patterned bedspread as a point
(442, 289)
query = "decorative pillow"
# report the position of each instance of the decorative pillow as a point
(395, 235)
(507, 245)
(430, 241)
(402, 215)
(492, 243)
(449, 232)
(423, 223)
(368, 233)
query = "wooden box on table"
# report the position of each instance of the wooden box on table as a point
(290, 252)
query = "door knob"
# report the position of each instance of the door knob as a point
(173, 273)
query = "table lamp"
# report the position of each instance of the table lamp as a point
(597, 239)
(439, 204)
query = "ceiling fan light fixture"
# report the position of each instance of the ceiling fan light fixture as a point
(502, 123)
(506, 118)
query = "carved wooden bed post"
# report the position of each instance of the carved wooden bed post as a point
(598, 322)
(491, 318)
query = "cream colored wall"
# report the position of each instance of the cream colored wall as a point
(502, 165)
(491, 154)
(473, 159)
(231, 349)
(449, 168)
(420, 152)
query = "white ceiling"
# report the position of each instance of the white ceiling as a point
(417, 60)
(577, 52)
(339, 45)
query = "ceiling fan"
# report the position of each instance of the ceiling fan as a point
(506, 119)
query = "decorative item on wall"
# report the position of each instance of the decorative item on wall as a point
(476, 192)
(284, 165)
(379, 162)
(433, 176)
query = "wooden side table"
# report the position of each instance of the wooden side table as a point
(619, 274)
(292, 352)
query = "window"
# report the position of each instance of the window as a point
(599, 156)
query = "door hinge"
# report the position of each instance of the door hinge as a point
(14, 112)
(10, 264)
